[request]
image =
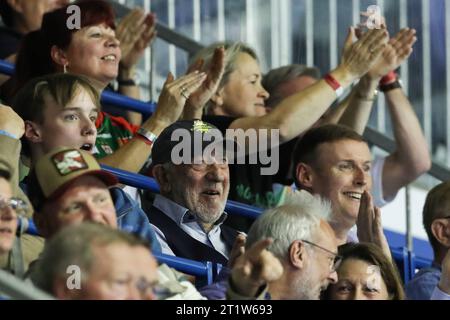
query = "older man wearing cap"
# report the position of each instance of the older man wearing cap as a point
(68, 186)
(193, 175)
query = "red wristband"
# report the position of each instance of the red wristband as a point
(333, 83)
(389, 78)
(146, 135)
(148, 142)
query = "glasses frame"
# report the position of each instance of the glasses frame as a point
(337, 257)
(18, 205)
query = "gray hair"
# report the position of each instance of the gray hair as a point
(232, 49)
(74, 246)
(298, 218)
(276, 77)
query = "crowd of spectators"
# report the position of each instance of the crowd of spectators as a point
(320, 235)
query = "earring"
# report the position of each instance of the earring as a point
(65, 68)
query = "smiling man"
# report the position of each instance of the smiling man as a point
(188, 216)
(304, 243)
(334, 162)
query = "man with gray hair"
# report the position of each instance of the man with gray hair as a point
(305, 244)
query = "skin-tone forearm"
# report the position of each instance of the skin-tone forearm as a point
(411, 157)
(190, 113)
(300, 111)
(333, 116)
(131, 91)
(134, 154)
(360, 105)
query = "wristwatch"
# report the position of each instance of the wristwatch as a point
(388, 87)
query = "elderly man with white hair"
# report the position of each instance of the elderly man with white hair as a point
(305, 244)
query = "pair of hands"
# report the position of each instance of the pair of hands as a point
(374, 53)
(188, 94)
(136, 31)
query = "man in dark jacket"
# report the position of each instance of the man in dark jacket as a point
(188, 216)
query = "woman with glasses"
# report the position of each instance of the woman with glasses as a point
(365, 273)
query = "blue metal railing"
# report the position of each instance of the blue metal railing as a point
(196, 268)
(144, 182)
(29, 226)
(403, 260)
(6, 68)
(107, 97)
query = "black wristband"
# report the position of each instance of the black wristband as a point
(128, 82)
(391, 86)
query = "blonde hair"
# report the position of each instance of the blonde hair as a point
(232, 50)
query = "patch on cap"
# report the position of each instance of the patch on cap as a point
(201, 126)
(67, 162)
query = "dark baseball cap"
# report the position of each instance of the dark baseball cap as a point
(186, 140)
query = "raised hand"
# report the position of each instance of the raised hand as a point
(135, 32)
(237, 250)
(174, 95)
(396, 52)
(359, 57)
(370, 228)
(254, 268)
(197, 101)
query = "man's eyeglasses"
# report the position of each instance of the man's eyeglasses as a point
(335, 262)
(145, 287)
(16, 204)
